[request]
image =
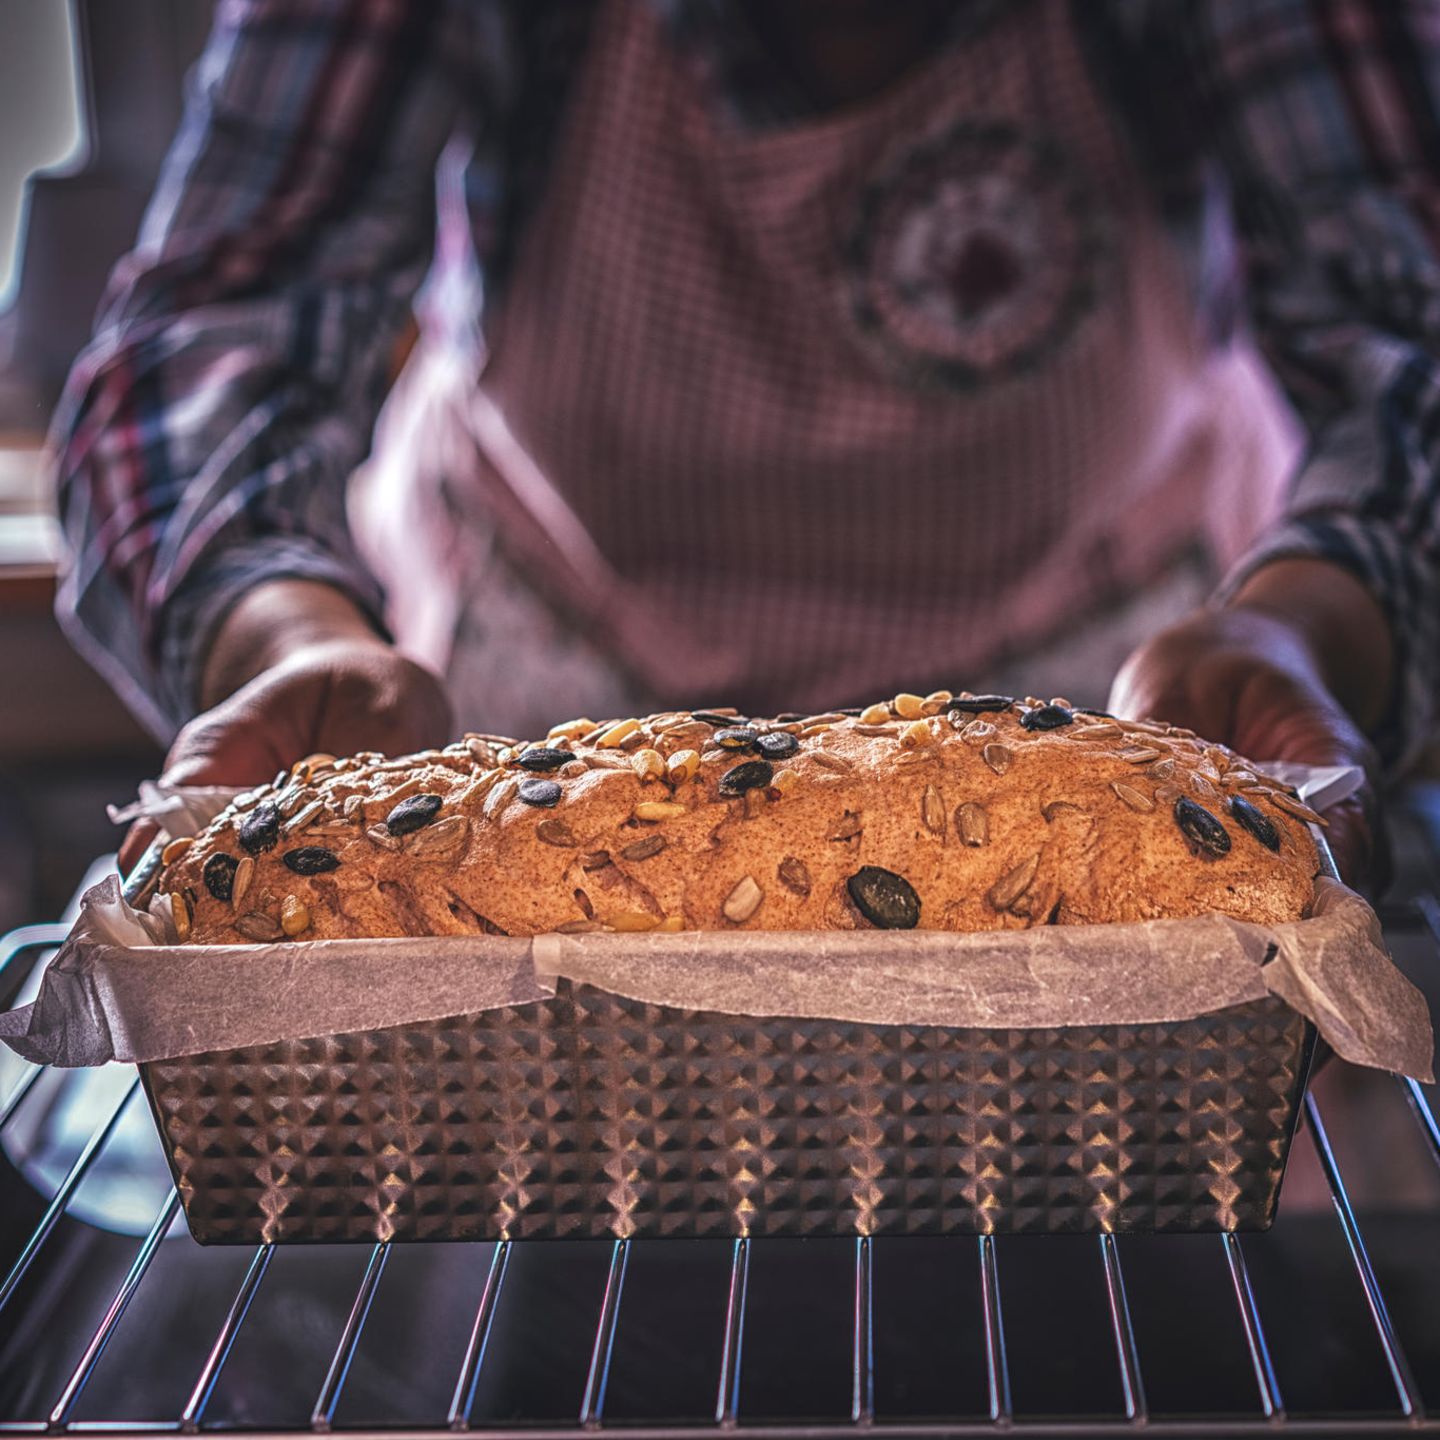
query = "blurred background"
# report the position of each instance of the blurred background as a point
(90, 94)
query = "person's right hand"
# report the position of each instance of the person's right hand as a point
(337, 695)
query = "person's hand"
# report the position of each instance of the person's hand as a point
(1266, 676)
(334, 692)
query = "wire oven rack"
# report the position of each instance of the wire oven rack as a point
(112, 1321)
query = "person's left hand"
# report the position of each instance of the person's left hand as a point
(1250, 679)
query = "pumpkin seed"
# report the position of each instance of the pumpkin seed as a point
(413, 814)
(1207, 836)
(1256, 822)
(1047, 717)
(735, 737)
(743, 901)
(777, 745)
(887, 900)
(260, 829)
(311, 860)
(219, 874)
(1013, 883)
(541, 759)
(748, 775)
(978, 704)
(543, 793)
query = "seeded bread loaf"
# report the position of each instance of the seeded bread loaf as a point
(948, 812)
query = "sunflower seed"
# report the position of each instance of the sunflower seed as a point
(743, 901)
(219, 874)
(378, 835)
(1013, 883)
(1134, 798)
(659, 810)
(257, 926)
(1203, 786)
(1297, 808)
(180, 914)
(1141, 756)
(848, 828)
(1102, 731)
(975, 731)
(997, 757)
(553, 831)
(594, 860)
(793, 875)
(413, 814)
(932, 810)
(1207, 836)
(295, 800)
(244, 873)
(302, 818)
(643, 849)
(481, 751)
(887, 900)
(294, 915)
(311, 860)
(1163, 769)
(1260, 825)
(972, 824)
(441, 841)
(862, 729)
(577, 927)
(501, 796)
(827, 761)
(1218, 758)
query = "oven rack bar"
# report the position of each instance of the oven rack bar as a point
(1271, 1417)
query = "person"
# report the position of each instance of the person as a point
(777, 352)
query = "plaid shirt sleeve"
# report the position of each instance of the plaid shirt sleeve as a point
(1326, 114)
(206, 434)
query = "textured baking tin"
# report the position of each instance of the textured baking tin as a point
(590, 1115)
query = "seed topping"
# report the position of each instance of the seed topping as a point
(1255, 821)
(887, 900)
(545, 793)
(1014, 883)
(793, 875)
(777, 745)
(219, 875)
(413, 814)
(1135, 799)
(978, 704)
(736, 737)
(260, 829)
(554, 831)
(541, 759)
(1047, 717)
(996, 756)
(972, 823)
(311, 860)
(743, 901)
(294, 915)
(748, 775)
(1207, 836)
(643, 849)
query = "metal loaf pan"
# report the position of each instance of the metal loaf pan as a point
(590, 1115)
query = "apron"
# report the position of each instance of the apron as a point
(906, 395)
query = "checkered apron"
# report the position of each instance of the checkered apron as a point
(910, 394)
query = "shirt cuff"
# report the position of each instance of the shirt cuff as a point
(188, 621)
(1404, 581)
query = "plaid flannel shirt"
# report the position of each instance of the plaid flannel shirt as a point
(205, 437)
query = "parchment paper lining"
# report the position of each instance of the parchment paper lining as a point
(119, 990)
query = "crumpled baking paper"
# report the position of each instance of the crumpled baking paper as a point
(116, 991)
(120, 990)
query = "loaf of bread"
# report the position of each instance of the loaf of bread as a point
(952, 812)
